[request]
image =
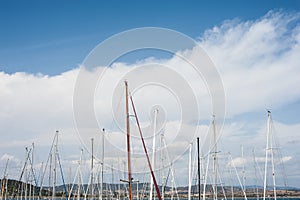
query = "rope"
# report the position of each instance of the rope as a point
(145, 149)
(62, 177)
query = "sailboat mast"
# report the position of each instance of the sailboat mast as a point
(92, 170)
(33, 176)
(162, 167)
(190, 172)
(128, 143)
(102, 165)
(198, 151)
(153, 152)
(244, 177)
(79, 176)
(272, 154)
(54, 169)
(215, 159)
(266, 159)
(4, 181)
(255, 168)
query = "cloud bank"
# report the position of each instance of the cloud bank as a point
(259, 64)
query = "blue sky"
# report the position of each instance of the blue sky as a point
(255, 46)
(51, 37)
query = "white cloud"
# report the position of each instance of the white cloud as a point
(237, 162)
(7, 157)
(258, 62)
(11, 160)
(286, 158)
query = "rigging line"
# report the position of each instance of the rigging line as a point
(145, 149)
(62, 176)
(25, 164)
(117, 108)
(32, 171)
(46, 166)
(167, 178)
(195, 180)
(171, 171)
(236, 172)
(277, 148)
(221, 182)
(260, 173)
(23, 170)
(255, 171)
(73, 183)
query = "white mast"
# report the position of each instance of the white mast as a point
(112, 188)
(26, 175)
(102, 164)
(92, 170)
(128, 142)
(244, 177)
(162, 167)
(32, 176)
(79, 175)
(190, 172)
(54, 169)
(215, 160)
(153, 152)
(173, 187)
(231, 180)
(272, 154)
(137, 188)
(269, 147)
(255, 168)
(173, 183)
(205, 178)
(4, 181)
(119, 174)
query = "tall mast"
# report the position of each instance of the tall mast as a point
(199, 181)
(128, 143)
(4, 181)
(153, 152)
(79, 175)
(255, 168)
(26, 173)
(215, 159)
(244, 177)
(33, 176)
(54, 169)
(92, 170)
(272, 158)
(112, 181)
(162, 167)
(190, 172)
(102, 165)
(119, 173)
(266, 159)
(50, 170)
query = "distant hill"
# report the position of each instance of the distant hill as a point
(14, 188)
